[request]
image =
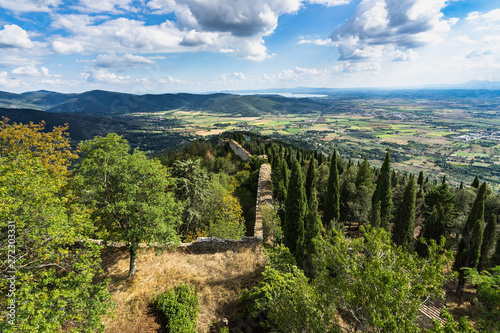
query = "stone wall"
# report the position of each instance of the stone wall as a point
(239, 150)
(200, 245)
(264, 196)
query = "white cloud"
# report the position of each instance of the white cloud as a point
(330, 2)
(321, 42)
(67, 47)
(396, 23)
(13, 36)
(399, 55)
(358, 66)
(170, 80)
(127, 60)
(30, 5)
(492, 16)
(112, 6)
(31, 70)
(7, 82)
(103, 75)
(28, 70)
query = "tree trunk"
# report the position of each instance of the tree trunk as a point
(460, 287)
(133, 257)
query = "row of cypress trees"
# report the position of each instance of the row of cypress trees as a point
(301, 220)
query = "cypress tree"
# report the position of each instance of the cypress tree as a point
(495, 258)
(313, 228)
(404, 225)
(461, 185)
(332, 200)
(383, 194)
(365, 175)
(420, 180)
(434, 228)
(489, 236)
(475, 183)
(295, 211)
(321, 158)
(444, 180)
(394, 179)
(310, 180)
(469, 248)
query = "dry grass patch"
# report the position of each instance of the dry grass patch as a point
(218, 279)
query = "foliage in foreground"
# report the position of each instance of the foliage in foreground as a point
(488, 294)
(379, 285)
(284, 301)
(180, 306)
(52, 279)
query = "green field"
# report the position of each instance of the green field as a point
(435, 138)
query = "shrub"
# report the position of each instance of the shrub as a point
(180, 306)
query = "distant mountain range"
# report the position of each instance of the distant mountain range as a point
(98, 102)
(471, 85)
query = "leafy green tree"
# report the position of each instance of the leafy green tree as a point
(450, 325)
(284, 295)
(360, 276)
(192, 182)
(488, 291)
(383, 194)
(331, 214)
(130, 194)
(489, 237)
(469, 248)
(271, 224)
(295, 211)
(404, 225)
(50, 282)
(227, 219)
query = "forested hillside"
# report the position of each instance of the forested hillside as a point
(347, 246)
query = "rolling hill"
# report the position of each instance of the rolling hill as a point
(98, 102)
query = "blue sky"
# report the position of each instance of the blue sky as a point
(158, 46)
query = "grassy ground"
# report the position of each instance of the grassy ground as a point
(218, 278)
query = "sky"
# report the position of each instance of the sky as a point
(163, 46)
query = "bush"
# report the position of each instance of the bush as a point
(180, 306)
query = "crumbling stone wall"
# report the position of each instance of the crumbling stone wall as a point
(264, 196)
(200, 245)
(239, 150)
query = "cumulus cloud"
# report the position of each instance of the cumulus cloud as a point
(7, 82)
(13, 36)
(396, 23)
(29, 70)
(30, 5)
(330, 2)
(67, 47)
(240, 18)
(112, 6)
(355, 66)
(398, 55)
(32, 70)
(104, 76)
(127, 60)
